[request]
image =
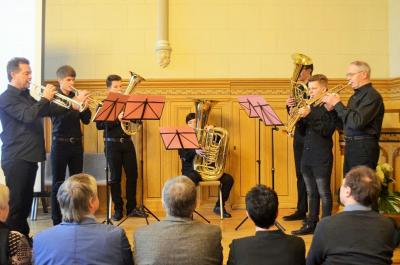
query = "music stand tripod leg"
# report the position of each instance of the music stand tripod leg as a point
(202, 216)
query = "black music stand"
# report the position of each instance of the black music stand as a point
(108, 112)
(257, 107)
(139, 108)
(176, 138)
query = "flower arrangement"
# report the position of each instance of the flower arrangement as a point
(389, 201)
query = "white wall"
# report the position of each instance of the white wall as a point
(21, 32)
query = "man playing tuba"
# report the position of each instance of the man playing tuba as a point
(187, 156)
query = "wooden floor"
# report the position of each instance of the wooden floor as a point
(227, 225)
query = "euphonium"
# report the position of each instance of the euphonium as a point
(214, 141)
(316, 101)
(298, 90)
(131, 128)
(59, 99)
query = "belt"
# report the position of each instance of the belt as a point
(359, 138)
(118, 140)
(72, 140)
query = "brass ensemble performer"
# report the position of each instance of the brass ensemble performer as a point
(23, 139)
(317, 157)
(361, 119)
(298, 143)
(120, 153)
(66, 149)
(187, 156)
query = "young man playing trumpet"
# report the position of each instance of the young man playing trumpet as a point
(66, 149)
(187, 156)
(317, 157)
(120, 154)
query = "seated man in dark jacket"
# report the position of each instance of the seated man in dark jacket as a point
(358, 235)
(187, 156)
(268, 246)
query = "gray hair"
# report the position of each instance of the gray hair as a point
(179, 197)
(363, 67)
(74, 196)
(4, 196)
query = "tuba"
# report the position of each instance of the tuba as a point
(131, 128)
(298, 90)
(214, 142)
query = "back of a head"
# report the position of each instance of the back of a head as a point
(364, 184)
(262, 206)
(179, 197)
(74, 196)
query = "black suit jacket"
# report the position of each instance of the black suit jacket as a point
(267, 247)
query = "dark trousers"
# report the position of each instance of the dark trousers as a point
(226, 183)
(361, 152)
(298, 145)
(20, 179)
(63, 155)
(122, 155)
(317, 180)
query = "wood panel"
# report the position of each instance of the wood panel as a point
(160, 164)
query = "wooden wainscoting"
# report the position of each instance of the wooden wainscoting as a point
(159, 164)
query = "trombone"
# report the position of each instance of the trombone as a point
(59, 98)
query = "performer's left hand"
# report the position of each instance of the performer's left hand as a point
(331, 99)
(304, 111)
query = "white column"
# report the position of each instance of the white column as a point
(163, 49)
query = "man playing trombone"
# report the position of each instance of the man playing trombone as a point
(67, 149)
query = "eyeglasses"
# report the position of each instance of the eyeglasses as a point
(353, 74)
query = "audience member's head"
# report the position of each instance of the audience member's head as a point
(361, 185)
(4, 198)
(262, 206)
(77, 197)
(179, 197)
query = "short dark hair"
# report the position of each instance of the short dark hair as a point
(364, 184)
(190, 116)
(112, 78)
(310, 66)
(322, 79)
(262, 205)
(65, 71)
(13, 65)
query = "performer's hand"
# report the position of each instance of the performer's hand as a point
(209, 127)
(200, 152)
(120, 116)
(49, 92)
(304, 111)
(328, 107)
(331, 99)
(291, 102)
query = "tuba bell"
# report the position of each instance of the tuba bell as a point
(131, 128)
(214, 141)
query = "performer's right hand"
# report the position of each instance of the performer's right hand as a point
(200, 152)
(291, 102)
(49, 92)
(120, 116)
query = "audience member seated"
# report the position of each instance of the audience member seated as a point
(178, 239)
(79, 239)
(358, 235)
(14, 246)
(268, 246)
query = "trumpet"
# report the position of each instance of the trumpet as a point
(59, 99)
(91, 102)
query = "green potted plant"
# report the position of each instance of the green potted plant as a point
(389, 201)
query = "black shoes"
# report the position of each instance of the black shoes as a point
(306, 229)
(218, 212)
(117, 216)
(295, 216)
(136, 213)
